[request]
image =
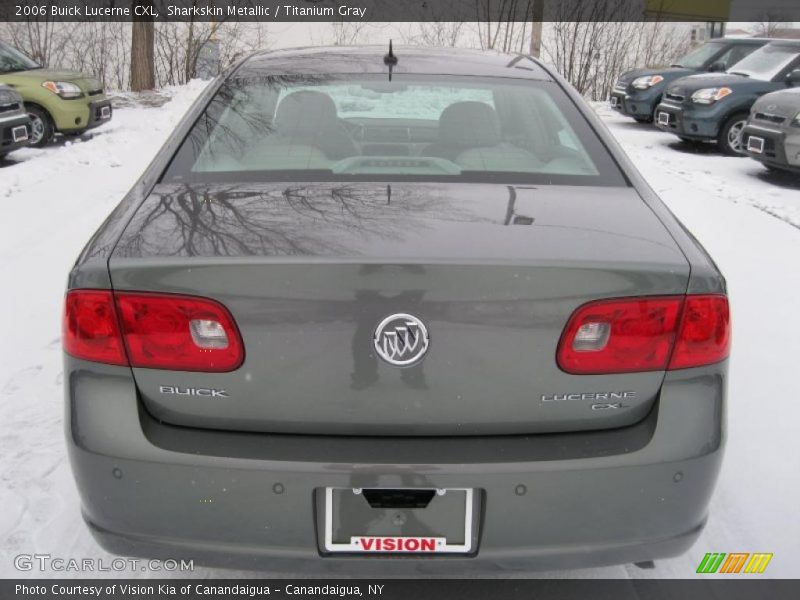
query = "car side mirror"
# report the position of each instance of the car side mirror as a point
(716, 67)
(793, 78)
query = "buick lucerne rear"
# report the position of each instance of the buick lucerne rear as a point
(391, 315)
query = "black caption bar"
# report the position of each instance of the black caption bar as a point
(400, 10)
(438, 589)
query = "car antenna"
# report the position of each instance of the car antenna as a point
(390, 60)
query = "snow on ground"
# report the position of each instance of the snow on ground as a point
(749, 220)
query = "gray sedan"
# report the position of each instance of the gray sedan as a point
(394, 313)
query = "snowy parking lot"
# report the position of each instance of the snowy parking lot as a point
(747, 218)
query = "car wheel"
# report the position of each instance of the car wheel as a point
(730, 136)
(42, 129)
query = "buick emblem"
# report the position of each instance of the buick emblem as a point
(401, 340)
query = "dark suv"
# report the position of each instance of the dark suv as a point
(637, 93)
(714, 107)
(15, 125)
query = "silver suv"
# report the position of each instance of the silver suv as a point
(772, 134)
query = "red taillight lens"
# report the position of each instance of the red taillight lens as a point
(620, 336)
(157, 331)
(181, 333)
(91, 329)
(645, 334)
(705, 333)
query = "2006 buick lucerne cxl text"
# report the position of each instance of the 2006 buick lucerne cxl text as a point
(369, 306)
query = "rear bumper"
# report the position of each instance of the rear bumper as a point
(781, 148)
(247, 500)
(8, 126)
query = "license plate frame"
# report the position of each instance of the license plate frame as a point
(614, 102)
(663, 118)
(19, 134)
(105, 113)
(755, 144)
(411, 545)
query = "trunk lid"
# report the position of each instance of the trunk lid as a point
(309, 270)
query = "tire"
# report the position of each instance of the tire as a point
(643, 119)
(42, 129)
(730, 135)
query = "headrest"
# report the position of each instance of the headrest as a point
(305, 112)
(470, 124)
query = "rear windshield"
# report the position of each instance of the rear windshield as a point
(358, 128)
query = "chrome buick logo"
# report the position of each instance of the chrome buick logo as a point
(401, 340)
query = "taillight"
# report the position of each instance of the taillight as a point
(157, 331)
(645, 334)
(91, 329)
(181, 333)
(705, 334)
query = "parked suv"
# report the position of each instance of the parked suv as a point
(638, 92)
(714, 107)
(15, 125)
(57, 101)
(772, 133)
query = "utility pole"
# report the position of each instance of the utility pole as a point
(536, 28)
(143, 69)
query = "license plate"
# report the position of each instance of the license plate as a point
(354, 525)
(614, 101)
(663, 118)
(19, 134)
(105, 112)
(755, 144)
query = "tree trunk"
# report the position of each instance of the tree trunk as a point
(143, 71)
(536, 28)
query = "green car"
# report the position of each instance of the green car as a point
(64, 102)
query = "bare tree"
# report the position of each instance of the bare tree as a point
(40, 38)
(347, 33)
(592, 43)
(769, 25)
(435, 33)
(179, 46)
(502, 24)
